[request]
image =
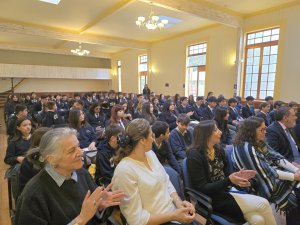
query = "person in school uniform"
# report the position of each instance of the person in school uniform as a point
(209, 111)
(248, 109)
(52, 118)
(118, 117)
(20, 111)
(264, 112)
(85, 132)
(184, 107)
(95, 117)
(169, 114)
(20, 143)
(198, 108)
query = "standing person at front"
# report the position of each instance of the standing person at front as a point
(150, 196)
(208, 168)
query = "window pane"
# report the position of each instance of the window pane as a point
(250, 52)
(251, 36)
(275, 31)
(249, 69)
(272, 68)
(250, 42)
(266, 59)
(267, 39)
(254, 93)
(273, 59)
(255, 69)
(256, 61)
(263, 86)
(254, 86)
(265, 69)
(272, 77)
(247, 93)
(197, 60)
(274, 49)
(267, 33)
(264, 77)
(257, 52)
(254, 77)
(258, 34)
(270, 85)
(262, 94)
(274, 37)
(270, 93)
(248, 78)
(247, 86)
(250, 61)
(258, 40)
(201, 83)
(267, 50)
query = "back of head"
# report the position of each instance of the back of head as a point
(20, 108)
(74, 116)
(183, 119)
(232, 100)
(212, 99)
(249, 98)
(112, 130)
(247, 131)
(278, 104)
(51, 105)
(159, 128)
(136, 130)
(263, 105)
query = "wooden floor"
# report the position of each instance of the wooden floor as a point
(4, 213)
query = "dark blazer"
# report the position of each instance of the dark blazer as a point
(207, 113)
(95, 122)
(198, 112)
(247, 111)
(222, 201)
(169, 118)
(186, 109)
(272, 116)
(264, 116)
(277, 139)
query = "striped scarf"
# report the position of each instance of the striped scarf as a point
(265, 161)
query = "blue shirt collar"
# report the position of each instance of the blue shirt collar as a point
(59, 179)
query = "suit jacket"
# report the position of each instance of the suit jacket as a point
(247, 111)
(207, 113)
(198, 112)
(186, 109)
(265, 117)
(278, 140)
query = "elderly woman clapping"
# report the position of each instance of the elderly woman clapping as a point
(63, 192)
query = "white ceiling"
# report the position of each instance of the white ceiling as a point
(108, 26)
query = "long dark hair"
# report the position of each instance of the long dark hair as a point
(201, 135)
(74, 121)
(114, 113)
(220, 114)
(166, 105)
(147, 114)
(18, 133)
(93, 106)
(247, 131)
(135, 131)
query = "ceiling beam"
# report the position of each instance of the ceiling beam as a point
(105, 14)
(70, 36)
(4, 46)
(201, 9)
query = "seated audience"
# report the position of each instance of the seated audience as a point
(51, 117)
(209, 111)
(276, 177)
(234, 115)
(138, 171)
(270, 99)
(264, 112)
(86, 134)
(184, 107)
(208, 168)
(19, 144)
(169, 114)
(221, 119)
(127, 112)
(106, 151)
(147, 112)
(32, 164)
(63, 192)
(277, 105)
(280, 135)
(118, 117)
(161, 146)
(198, 108)
(20, 111)
(95, 117)
(248, 108)
(156, 106)
(181, 137)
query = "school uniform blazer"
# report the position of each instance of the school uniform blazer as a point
(265, 117)
(247, 112)
(169, 118)
(207, 113)
(198, 113)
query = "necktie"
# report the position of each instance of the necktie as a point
(293, 144)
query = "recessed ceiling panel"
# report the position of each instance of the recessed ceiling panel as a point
(122, 23)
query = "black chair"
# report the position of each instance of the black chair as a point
(203, 203)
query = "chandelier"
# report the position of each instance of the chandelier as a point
(153, 21)
(79, 51)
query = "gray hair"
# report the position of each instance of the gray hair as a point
(49, 144)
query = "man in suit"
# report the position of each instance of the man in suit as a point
(185, 107)
(209, 111)
(198, 108)
(280, 135)
(248, 109)
(263, 113)
(277, 105)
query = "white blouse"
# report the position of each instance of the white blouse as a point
(146, 191)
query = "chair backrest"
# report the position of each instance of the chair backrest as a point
(186, 176)
(229, 151)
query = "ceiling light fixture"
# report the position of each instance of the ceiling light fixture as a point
(79, 51)
(153, 21)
